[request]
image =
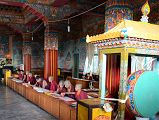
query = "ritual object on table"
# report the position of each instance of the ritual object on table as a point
(143, 91)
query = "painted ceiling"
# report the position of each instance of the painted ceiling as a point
(26, 15)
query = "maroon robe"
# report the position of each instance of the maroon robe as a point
(71, 89)
(81, 95)
(20, 76)
(48, 84)
(61, 90)
(53, 86)
(39, 84)
(25, 78)
(32, 80)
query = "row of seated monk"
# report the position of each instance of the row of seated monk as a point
(64, 88)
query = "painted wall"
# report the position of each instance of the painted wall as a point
(66, 52)
(91, 25)
(4, 46)
(17, 52)
(37, 55)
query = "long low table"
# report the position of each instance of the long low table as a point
(55, 106)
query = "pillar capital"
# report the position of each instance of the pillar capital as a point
(27, 36)
(111, 3)
(26, 47)
(115, 12)
(51, 38)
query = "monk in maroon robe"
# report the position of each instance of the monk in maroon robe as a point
(53, 84)
(88, 77)
(39, 82)
(46, 84)
(79, 94)
(31, 79)
(61, 88)
(20, 75)
(69, 89)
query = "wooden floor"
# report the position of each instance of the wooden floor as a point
(15, 107)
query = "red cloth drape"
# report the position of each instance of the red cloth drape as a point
(27, 62)
(51, 64)
(113, 74)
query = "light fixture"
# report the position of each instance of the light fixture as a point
(68, 26)
(32, 38)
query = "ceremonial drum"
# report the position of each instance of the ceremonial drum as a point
(143, 91)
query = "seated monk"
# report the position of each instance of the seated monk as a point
(46, 84)
(20, 76)
(79, 94)
(53, 84)
(39, 82)
(61, 88)
(69, 88)
(26, 77)
(89, 77)
(31, 79)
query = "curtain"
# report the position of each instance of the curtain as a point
(113, 74)
(91, 62)
(141, 63)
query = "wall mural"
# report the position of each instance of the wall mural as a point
(4, 46)
(37, 55)
(17, 52)
(93, 25)
(66, 52)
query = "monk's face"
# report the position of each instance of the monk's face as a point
(67, 85)
(39, 80)
(51, 79)
(30, 75)
(61, 85)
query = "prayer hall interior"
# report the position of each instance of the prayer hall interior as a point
(79, 59)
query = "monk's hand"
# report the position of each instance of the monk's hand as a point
(62, 94)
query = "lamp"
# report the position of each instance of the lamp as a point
(68, 27)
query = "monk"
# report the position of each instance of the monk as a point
(46, 84)
(20, 76)
(61, 88)
(53, 84)
(89, 77)
(31, 79)
(69, 89)
(26, 77)
(79, 94)
(39, 82)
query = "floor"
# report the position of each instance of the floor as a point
(15, 107)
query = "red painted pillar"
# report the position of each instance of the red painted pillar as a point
(50, 53)
(27, 39)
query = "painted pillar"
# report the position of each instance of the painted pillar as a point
(123, 82)
(50, 53)
(11, 47)
(115, 12)
(27, 39)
